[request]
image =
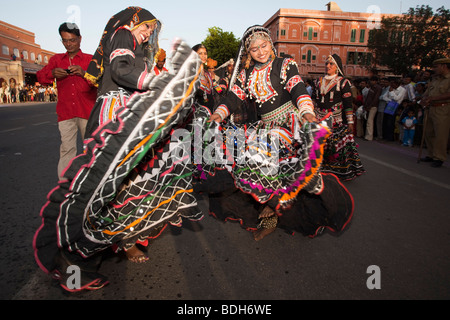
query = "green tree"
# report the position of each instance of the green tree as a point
(222, 46)
(415, 38)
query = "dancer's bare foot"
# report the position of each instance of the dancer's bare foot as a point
(266, 213)
(135, 255)
(268, 223)
(261, 233)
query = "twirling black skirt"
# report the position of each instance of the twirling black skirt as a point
(125, 187)
(304, 199)
(309, 214)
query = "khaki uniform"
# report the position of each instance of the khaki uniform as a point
(438, 124)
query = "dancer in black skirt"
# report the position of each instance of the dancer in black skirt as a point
(274, 177)
(333, 99)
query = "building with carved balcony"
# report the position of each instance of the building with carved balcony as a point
(310, 36)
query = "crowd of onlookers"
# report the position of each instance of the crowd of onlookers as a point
(407, 92)
(408, 89)
(27, 93)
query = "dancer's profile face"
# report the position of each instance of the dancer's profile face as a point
(143, 32)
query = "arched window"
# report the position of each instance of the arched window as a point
(5, 50)
(311, 30)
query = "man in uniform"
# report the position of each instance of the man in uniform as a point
(437, 99)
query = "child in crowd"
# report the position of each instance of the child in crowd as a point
(398, 128)
(409, 128)
(402, 112)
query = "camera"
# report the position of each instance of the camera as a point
(68, 71)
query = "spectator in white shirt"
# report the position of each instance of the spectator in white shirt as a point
(409, 87)
(396, 93)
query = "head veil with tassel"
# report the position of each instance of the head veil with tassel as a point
(243, 58)
(338, 62)
(129, 19)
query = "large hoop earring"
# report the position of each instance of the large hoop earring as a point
(273, 55)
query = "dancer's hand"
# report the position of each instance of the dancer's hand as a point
(310, 117)
(351, 128)
(215, 117)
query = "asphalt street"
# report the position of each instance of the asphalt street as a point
(399, 233)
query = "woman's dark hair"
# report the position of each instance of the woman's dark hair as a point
(198, 46)
(70, 28)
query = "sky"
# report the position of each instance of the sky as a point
(185, 19)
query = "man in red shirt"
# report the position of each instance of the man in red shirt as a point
(76, 96)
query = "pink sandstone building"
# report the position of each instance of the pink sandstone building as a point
(309, 36)
(20, 56)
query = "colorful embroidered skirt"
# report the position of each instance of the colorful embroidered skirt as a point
(279, 167)
(125, 187)
(264, 161)
(341, 155)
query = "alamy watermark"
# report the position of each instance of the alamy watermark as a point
(74, 280)
(374, 21)
(234, 146)
(374, 280)
(74, 12)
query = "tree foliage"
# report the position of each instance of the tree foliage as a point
(415, 38)
(222, 46)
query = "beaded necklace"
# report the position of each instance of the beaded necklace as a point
(259, 84)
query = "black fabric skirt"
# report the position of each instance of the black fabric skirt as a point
(310, 213)
(124, 188)
(305, 199)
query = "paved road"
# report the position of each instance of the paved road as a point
(401, 225)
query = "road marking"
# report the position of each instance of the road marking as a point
(14, 129)
(20, 128)
(410, 173)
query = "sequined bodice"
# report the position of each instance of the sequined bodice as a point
(259, 84)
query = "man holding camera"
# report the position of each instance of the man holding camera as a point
(76, 96)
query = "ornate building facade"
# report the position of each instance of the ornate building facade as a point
(20, 56)
(309, 36)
